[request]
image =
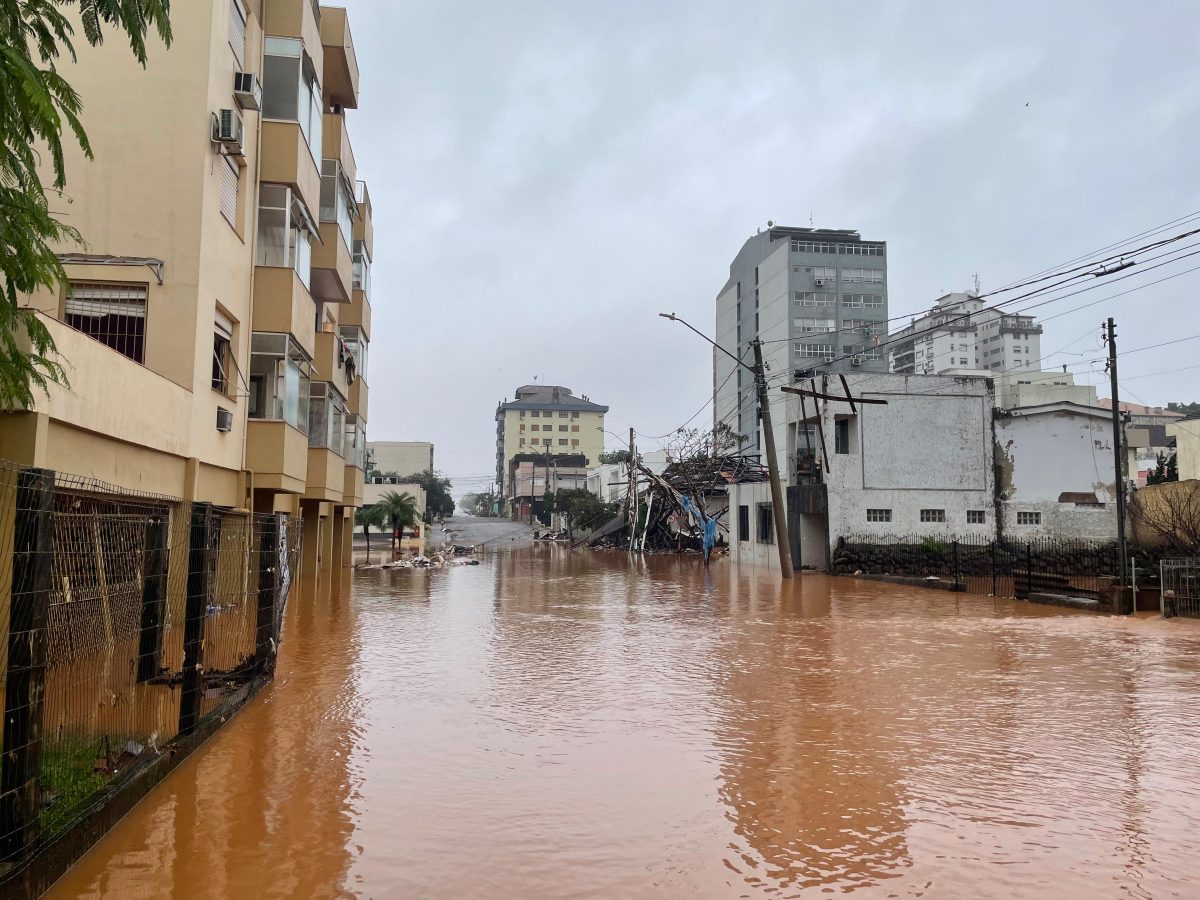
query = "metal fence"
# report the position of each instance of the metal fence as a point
(127, 622)
(1003, 568)
(1179, 584)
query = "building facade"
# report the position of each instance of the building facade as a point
(215, 326)
(962, 332)
(546, 420)
(815, 298)
(402, 457)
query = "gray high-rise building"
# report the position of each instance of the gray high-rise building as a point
(815, 297)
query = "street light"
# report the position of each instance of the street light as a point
(782, 539)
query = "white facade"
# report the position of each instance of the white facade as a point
(1055, 465)
(961, 332)
(1020, 389)
(921, 464)
(1186, 433)
(610, 481)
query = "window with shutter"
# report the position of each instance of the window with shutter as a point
(237, 32)
(110, 312)
(229, 190)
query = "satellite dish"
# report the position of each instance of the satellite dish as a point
(770, 224)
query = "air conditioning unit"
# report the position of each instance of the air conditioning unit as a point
(856, 361)
(228, 131)
(819, 282)
(247, 90)
(224, 419)
(829, 359)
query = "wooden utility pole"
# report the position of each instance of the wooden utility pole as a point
(1118, 448)
(630, 493)
(782, 540)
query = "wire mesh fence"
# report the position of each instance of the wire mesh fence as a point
(127, 619)
(1003, 568)
(1179, 584)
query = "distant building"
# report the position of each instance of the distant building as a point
(413, 541)
(546, 420)
(962, 332)
(1186, 434)
(402, 457)
(1015, 390)
(816, 298)
(610, 481)
(531, 476)
(1137, 414)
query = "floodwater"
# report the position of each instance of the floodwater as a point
(557, 724)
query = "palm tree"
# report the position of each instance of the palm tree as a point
(373, 516)
(401, 512)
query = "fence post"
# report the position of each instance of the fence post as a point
(1028, 569)
(957, 570)
(992, 546)
(199, 590)
(154, 598)
(266, 641)
(25, 680)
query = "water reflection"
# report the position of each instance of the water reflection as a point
(573, 724)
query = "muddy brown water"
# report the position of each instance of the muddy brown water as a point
(559, 725)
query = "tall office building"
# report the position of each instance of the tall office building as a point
(962, 332)
(215, 325)
(815, 297)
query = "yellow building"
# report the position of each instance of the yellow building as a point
(215, 326)
(548, 420)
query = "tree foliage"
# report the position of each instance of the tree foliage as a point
(479, 504)
(438, 502)
(583, 509)
(399, 511)
(36, 105)
(368, 517)
(1188, 409)
(1169, 513)
(1165, 470)
(612, 457)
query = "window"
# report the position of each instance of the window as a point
(230, 179)
(237, 32)
(866, 276)
(574, 442)
(824, 271)
(535, 427)
(563, 415)
(574, 415)
(808, 326)
(337, 199)
(356, 342)
(562, 442)
(522, 442)
(1029, 518)
(562, 427)
(841, 436)
(743, 523)
(574, 427)
(534, 413)
(863, 301)
(766, 524)
(933, 515)
(222, 366)
(816, 298)
(815, 349)
(879, 515)
(280, 375)
(362, 271)
(976, 517)
(326, 418)
(285, 231)
(112, 313)
(546, 442)
(290, 89)
(522, 428)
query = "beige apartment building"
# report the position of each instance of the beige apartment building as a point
(547, 420)
(215, 326)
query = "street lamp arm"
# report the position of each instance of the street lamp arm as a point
(686, 324)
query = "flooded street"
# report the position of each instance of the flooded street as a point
(557, 724)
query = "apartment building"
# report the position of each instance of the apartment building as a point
(961, 332)
(215, 326)
(546, 420)
(816, 298)
(402, 457)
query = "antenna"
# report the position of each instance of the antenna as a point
(810, 219)
(976, 284)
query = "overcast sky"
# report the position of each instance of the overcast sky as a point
(548, 176)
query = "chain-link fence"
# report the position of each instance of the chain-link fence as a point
(128, 622)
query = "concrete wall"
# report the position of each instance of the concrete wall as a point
(750, 552)
(1048, 463)
(402, 457)
(1187, 447)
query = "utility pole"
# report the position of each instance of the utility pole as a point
(1118, 449)
(782, 540)
(630, 512)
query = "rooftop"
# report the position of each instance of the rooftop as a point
(552, 396)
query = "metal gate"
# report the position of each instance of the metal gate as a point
(1180, 580)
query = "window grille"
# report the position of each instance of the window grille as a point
(933, 515)
(879, 515)
(113, 314)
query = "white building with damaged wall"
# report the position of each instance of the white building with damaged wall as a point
(925, 464)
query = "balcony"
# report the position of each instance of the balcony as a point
(326, 476)
(297, 19)
(364, 228)
(352, 488)
(286, 159)
(277, 454)
(357, 312)
(329, 361)
(341, 64)
(335, 144)
(356, 400)
(332, 266)
(283, 305)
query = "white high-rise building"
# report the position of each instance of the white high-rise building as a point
(962, 332)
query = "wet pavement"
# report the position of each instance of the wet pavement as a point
(557, 724)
